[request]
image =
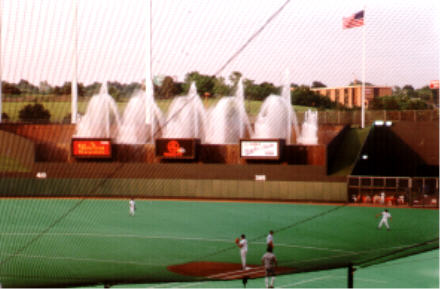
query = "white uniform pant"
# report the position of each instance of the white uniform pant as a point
(131, 211)
(383, 222)
(243, 258)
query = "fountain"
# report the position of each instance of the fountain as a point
(309, 129)
(273, 120)
(276, 117)
(101, 113)
(228, 121)
(186, 117)
(142, 119)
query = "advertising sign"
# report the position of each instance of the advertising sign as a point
(260, 149)
(178, 148)
(91, 148)
(434, 84)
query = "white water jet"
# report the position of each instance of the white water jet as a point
(286, 94)
(274, 119)
(228, 121)
(309, 128)
(141, 120)
(186, 117)
(101, 114)
(276, 116)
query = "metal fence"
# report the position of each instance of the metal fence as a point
(354, 117)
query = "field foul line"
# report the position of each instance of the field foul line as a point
(350, 253)
(369, 280)
(175, 238)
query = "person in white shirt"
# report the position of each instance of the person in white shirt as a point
(132, 207)
(243, 245)
(269, 239)
(384, 221)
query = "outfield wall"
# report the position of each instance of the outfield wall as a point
(219, 173)
(175, 188)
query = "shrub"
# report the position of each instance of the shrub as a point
(35, 113)
(5, 117)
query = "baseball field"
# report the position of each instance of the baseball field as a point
(88, 242)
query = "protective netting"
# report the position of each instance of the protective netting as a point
(53, 233)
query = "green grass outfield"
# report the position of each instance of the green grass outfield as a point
(74, 242)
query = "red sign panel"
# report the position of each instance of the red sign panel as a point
(176, 148)
(434, 84)
(91, 148)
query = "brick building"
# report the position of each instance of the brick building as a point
(350, 96)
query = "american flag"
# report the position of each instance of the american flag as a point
(354, 20)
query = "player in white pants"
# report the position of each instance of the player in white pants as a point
(269, 262)
(243, 245)
(132, 207)
(384, 221)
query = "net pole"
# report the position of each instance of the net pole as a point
(363, 76)
(350, 271)
(148, 63)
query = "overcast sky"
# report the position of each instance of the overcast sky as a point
(402, 40)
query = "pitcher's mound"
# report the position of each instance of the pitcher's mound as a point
(223, 271)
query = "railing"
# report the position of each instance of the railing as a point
(390, 191)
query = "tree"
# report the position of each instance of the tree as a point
(302, 95)
(391, 103)
(27, 87)
(359, 83)
(35, 113)
(409, 91)
(259, 91)
(221, 88)
(5, 117)
(10, 88)
(204, 83)
(425, 93)
(92, 89)
(114, 91)
(376, 104)
(397, 103)
(316, 84)
(167, 88)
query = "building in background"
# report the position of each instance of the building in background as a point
(350, 96)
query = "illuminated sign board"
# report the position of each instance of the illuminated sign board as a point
(260, 149)
(434, 84)
(91, 148)
(178, 148)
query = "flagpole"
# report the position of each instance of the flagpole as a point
(363, 76)
(1, 72)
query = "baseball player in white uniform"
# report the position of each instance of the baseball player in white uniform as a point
(243, 245)
(132, 207)
(269, 239)
(384, 221)
(269, 262)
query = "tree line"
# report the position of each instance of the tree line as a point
(208, 86)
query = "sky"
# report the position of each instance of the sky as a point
(306, 38)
